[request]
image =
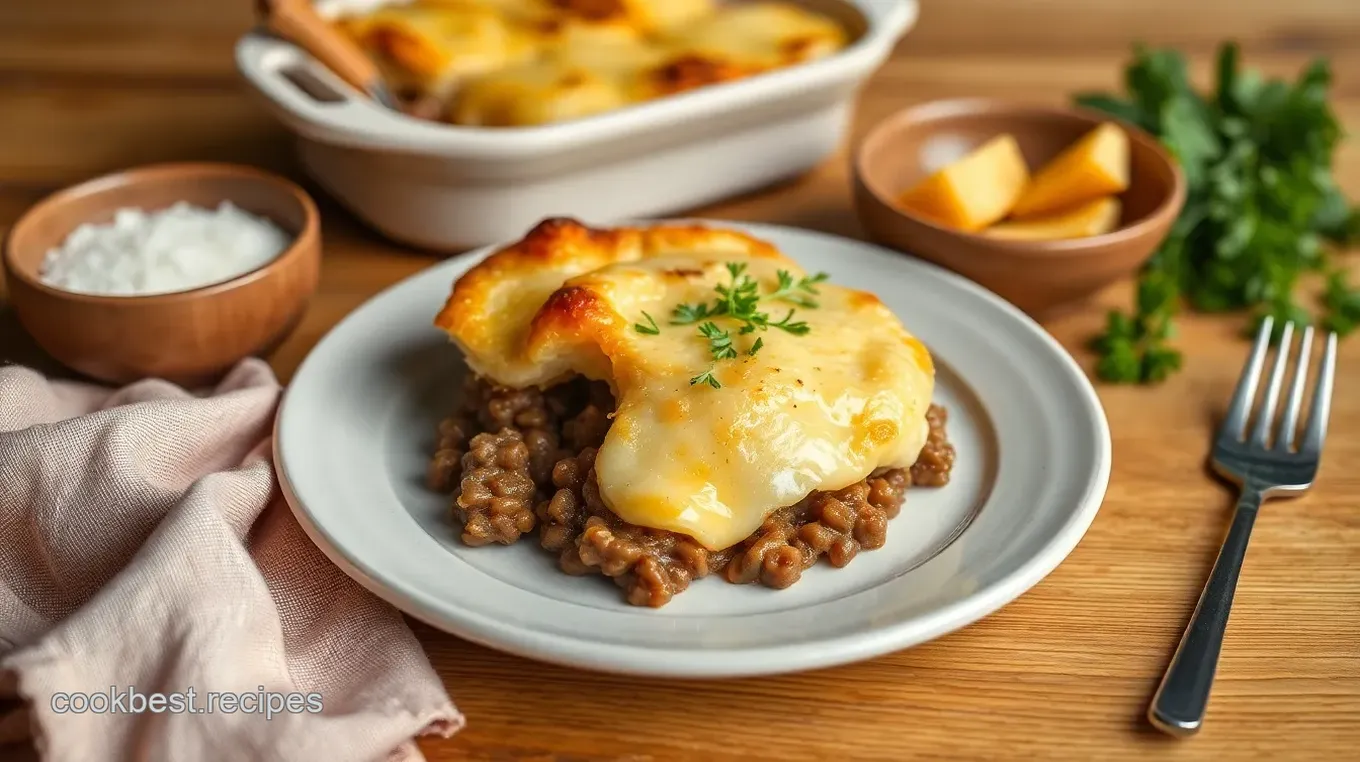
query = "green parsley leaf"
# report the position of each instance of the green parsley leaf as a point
(1342, 303)
(1120, 363)
(739, 300)
(794, 291)
(1158, 363)
(705, 378)
(1261, 201)
(719, 341)
(798, 328)
(1337, 220)
(650, 329)
(1115, 107)
(687, 314)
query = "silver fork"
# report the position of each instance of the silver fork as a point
(1262, 467)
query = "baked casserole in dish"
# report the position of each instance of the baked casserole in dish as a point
(603, 110)
(518, 63)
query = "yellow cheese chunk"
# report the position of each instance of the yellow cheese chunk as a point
(1091, 218)
(974, 191)
(1096, 165)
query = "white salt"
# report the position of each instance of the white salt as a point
(176, 249)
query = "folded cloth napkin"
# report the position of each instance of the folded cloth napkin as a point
(144, 549)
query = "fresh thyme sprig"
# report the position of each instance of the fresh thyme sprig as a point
(705, 378)
(739, 300)
(798, 328)
(719, 341)
(651, 328)
(685, 314)
(794, 291)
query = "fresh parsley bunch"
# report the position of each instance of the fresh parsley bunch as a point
(1261, 201)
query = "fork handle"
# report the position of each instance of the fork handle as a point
(1179, 704)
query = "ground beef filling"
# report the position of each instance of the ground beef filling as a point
(936, 460)
(517, 459)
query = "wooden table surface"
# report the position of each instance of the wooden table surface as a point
(88, 86)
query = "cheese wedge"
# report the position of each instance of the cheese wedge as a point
(1096, 165)
(974, 191)
(818, 411)
(1092, 218)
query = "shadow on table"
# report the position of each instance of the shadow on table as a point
(18, 348)
(19, 752)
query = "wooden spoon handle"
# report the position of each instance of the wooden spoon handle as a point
(298, 22)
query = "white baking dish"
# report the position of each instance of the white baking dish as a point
(451, 187)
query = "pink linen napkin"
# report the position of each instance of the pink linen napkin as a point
(144, 548)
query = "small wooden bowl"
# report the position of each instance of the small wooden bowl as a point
(1039, 277)
(189, 337)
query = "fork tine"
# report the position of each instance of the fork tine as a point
(1322, 401)
(1261, 429)
(1239, 410)
(1289, 423)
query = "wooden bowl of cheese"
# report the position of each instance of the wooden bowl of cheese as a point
(1044, 205)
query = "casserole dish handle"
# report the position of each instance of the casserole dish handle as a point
(298, 85)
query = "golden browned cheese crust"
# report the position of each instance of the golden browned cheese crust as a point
(800, 411)
(532, 277)
(520, 63)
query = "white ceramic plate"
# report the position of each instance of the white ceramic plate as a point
(357, 425)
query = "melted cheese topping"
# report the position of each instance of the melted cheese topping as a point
(814, 412)
(641, 15)
(537, 93)
(588, 72)
(433, 50)
(760, 35)
(516, 63)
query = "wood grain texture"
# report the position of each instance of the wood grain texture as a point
(1062, 673)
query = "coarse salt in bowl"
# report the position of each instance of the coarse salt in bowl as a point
(142, 253)
(174, 271)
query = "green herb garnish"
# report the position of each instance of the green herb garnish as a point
(685, 314)
(796, 292)
(1343, 305)
(705, 378)
(796, 328)
(1257, 157)
(719, 341)
(739, 300)
(651, 328)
